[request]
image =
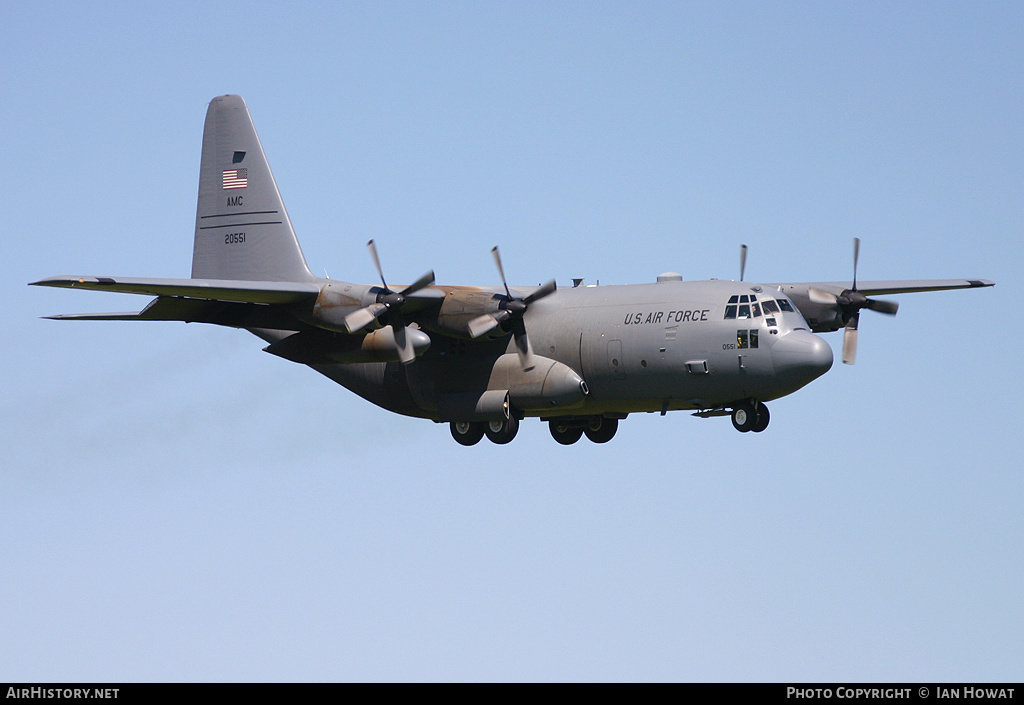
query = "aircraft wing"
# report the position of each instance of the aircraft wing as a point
(899, 286)
(221, 313)
(234, 303)
(253, 292)
(823, 314)
(239, 304)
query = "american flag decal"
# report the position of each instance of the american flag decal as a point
(235, 178)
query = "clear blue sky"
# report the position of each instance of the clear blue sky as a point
(177, 505)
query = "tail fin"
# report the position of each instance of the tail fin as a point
(242, 229)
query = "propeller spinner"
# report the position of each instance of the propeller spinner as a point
(512, 310)
(850, 303)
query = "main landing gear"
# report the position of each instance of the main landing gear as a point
(566, 431)
(501, 432)
(598, 429)
(750, 416)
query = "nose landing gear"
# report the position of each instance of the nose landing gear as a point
(750, 416)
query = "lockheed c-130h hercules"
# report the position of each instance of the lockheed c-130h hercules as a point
(483, 358)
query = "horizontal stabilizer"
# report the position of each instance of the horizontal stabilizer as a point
(255, 292)
(135, 316)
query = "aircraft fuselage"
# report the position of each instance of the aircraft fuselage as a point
(635, 348)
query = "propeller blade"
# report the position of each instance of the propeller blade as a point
(887, 307)
(376, 261)
(856, 256)
(360, 318)
(546, 290)
(406, 352)
(743, 260)
(421, 283)
(501, 270)
(820, 296)
(523, 346)
(482, 325)
(850, 340)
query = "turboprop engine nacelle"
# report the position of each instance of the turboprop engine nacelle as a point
(327, 348)
(336, 301)
(462, 306)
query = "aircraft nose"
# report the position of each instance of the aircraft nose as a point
(802, 355)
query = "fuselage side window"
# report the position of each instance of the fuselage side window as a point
(746, 339)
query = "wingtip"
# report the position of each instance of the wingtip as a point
(68, 281)
(51, 281)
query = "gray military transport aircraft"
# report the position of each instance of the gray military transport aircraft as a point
(482, 358)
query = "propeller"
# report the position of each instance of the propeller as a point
(389, 302)
(743, 260)
(850, 303)
(511, 310)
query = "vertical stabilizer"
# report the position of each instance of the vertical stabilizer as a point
(242, 229)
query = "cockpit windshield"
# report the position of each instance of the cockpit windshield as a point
(748, 306)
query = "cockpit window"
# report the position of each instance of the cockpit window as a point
(747, 306)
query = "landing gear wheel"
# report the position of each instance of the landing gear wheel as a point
(762, 417)
(502, 432)
(601, 430)
(466, 432)
(566, 435)
(744, 417)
